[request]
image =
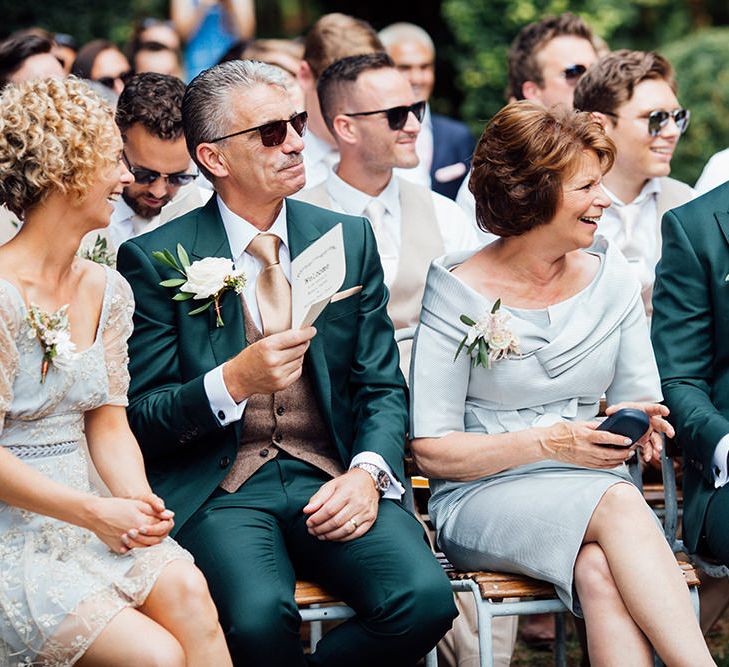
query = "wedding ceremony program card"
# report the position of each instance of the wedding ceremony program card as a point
(316, 275)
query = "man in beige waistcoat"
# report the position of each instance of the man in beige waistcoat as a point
(374, 117)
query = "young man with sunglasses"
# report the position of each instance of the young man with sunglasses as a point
(280, 450)
(374, 116)
(633, 94)
(149, 116)
(547, 59)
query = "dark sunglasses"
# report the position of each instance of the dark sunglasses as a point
(397, 117)
(573, 73)
(273, 133)
(108, 81)
(657, 120)
(147, 176)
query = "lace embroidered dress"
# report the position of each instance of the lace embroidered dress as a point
(59, 584)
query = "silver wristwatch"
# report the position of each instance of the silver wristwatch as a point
(378, 475)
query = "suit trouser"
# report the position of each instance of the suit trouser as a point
(716, 529)
(252, 545)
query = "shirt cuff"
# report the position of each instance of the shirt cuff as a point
(225, 409)
(719, 462)
(395, 490)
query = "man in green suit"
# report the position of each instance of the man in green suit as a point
(690, 332)
(279, 450)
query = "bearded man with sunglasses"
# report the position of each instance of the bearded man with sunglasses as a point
(633, 95)
(280, 450)
(149, 117)
(372, 112)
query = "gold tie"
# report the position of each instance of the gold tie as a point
(273, 292)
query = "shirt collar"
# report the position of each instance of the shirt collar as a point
(240, 232)
(652, 187)
(354, 201)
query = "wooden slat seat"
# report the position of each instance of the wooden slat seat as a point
(308, 593)
(493, 585)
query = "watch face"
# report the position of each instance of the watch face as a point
(383, 481)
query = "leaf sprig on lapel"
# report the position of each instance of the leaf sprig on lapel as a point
(208, 278)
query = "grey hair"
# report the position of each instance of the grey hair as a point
(402, 32)
(206, 106)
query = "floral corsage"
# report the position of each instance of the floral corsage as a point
(207, 278)
(489, 338)
(52, 331)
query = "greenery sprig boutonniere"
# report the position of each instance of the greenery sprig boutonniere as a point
(207, 278)
(488, 339)
(99, 252)
(52, 332)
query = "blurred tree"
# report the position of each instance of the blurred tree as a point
(702, 70)
(108, 19)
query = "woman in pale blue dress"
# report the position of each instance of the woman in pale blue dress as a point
(522, 481)
(84, 579)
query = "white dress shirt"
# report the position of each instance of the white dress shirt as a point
(633, 228)
(240, 233)
(126, 224)
(424, 149)
(456, 231)
(319, 159)
(715, 172)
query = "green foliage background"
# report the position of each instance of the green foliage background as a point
(702, 68)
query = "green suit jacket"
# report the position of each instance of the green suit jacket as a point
(352, 360)
(690, 332)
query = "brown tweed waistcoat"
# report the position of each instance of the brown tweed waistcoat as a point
(288, 420)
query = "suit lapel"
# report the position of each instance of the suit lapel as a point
(302, 231)
(722, 217)
(212, 241)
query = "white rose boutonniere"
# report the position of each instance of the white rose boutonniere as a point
(207, 278)
(52, 332)
(488, 339)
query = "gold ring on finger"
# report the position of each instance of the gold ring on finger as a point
(354, 524)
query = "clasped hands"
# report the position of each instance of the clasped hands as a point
(582, 444)
(134, 522)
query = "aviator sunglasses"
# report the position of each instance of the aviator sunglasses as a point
(397, 117)
(657, 120)
(273, 133)
(147, 176)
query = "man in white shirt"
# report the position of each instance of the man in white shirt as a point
(149, 116)
(444, 145)
(633, 94)
(374, 117)
(280, 449)
(332, 37)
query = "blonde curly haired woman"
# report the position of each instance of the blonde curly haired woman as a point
(84, 579)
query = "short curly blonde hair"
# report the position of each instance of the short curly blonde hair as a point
(55, 135)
